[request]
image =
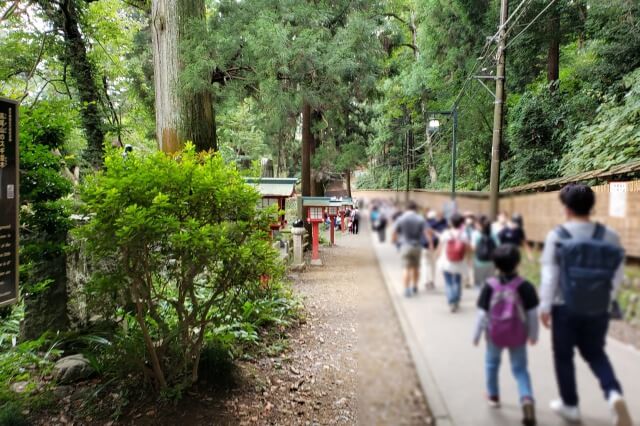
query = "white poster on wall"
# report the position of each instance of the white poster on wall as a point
(618, 199)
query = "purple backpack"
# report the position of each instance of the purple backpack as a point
(507, 319)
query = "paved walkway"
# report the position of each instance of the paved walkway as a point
(452, 371)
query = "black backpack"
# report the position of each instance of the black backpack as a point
(485, 249)
(587, 268)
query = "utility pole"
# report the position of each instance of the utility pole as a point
(454, 153)
(498, 113)
(406, 189)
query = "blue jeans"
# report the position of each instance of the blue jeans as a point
(453, 287)
(588, 334)
(518, 357)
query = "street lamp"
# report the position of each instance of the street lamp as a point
(432, 126)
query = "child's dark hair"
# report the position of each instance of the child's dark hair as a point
(485, 225)
(506, 258)
(578, 198)
(456, 220)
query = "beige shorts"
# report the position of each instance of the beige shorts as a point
(411, 256)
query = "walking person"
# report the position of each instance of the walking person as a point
(469, 228)
(355, 220)
(507, 315)
(452, 254)
(381, 227)
(499, 224)
(513, 233)
(374, 216)
(484, 245)
(582, 269)
(436, 225)
(408, 231)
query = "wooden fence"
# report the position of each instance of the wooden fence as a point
(542, 211)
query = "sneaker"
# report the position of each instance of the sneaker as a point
(570, 414)
(407, 292)
(528, 412)
(415, 290)
(493, 401)
(429, 286)
(619, 411)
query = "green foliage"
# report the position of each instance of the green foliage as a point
(11, 415)
(535, 149)
(180, 241)
(27, 362)
(44, 216)
(613, 137)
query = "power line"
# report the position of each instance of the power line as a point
(531, 23)
(522, 7)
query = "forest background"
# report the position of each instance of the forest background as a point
(323, 88)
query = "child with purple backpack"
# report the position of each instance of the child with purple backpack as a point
(507, 314)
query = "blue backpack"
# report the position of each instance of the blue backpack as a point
(587, 268)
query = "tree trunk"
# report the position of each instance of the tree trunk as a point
(64, 16)
(349, 183)
(307, 140)
(317, 188)
(553, 53)
(266, 168)
(180, 116)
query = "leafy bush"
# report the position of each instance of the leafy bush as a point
(44, 218)
(613, 137)
(27, 362)
(177, 241)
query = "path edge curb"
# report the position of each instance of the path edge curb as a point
(435, 401)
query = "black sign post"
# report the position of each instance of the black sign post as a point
(9, 202)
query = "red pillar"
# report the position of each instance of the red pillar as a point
(332, 219)
(315, 242)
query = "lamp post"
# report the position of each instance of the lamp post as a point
(433, 126)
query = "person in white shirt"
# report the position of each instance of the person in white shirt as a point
(577, 288)
(452, 253)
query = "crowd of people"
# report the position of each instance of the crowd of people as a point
(582, 265)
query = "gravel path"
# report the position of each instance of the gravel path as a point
(348, 301)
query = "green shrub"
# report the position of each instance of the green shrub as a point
(177, 241)
(11, 415)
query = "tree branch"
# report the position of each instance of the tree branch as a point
(393, 15)
(12, 8)
(35, 66)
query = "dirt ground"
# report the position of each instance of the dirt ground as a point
(347, 363)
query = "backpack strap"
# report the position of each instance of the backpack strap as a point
(494, 283)
(598, 232)
(515, 282)
(563, 233)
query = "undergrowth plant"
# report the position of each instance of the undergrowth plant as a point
(178, 243)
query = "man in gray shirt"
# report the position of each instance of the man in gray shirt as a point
(410, 230)
(570, 329)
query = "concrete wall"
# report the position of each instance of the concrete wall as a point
(541, 211)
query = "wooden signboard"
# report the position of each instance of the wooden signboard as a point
(618, 199)
(9, 203)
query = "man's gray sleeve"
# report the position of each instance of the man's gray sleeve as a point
(549, 273)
